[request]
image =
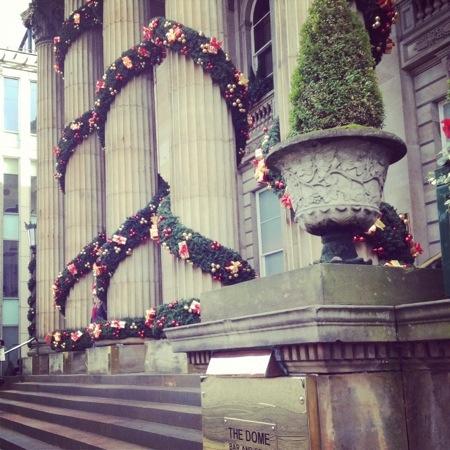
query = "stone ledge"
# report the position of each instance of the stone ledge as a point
(423, 321)
(318, 323)
(324, 284)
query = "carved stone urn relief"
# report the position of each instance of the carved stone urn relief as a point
(335, 178)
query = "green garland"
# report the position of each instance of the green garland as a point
(85, 18)
(156, 222)
(141, 58)
(223, 264)
(31, 315)
(175, 314)
(391, 240)
(132, 63)
(131, 234)
(74, 270)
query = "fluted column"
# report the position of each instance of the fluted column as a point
(50, 229)
(129, 160)
(197, 155)
(44, 18)
(301, 248)
(84, 192)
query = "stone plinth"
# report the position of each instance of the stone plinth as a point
(27, 365)
(55, 363)
(160, 358)
(74, 362)
(40, 364)
(370, 402)
(324, 284)
(372, 342)
(98, 360)
(127, 358)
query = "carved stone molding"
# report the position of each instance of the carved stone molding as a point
(44, 17)
(342, 357)
(424, 40)
(432, 37)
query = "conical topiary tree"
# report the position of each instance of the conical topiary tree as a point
(334, 83)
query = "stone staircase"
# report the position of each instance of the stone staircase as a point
(114, 412)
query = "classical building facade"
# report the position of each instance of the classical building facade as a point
(173, 122)
(18, 90)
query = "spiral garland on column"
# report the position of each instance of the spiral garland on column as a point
(155, 221)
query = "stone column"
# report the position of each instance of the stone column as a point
(197, 153)
(301, 248)
(84, 193)
(129, 161)
(44, 19)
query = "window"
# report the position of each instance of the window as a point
(33, 106)
(11, 338)
(11, 312)
(33, 190)
(262, 42)
(11, 186)
(10, 269)
(11, 227)
(11, 106)
(269, 233)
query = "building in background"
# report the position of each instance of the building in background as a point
(18, 91)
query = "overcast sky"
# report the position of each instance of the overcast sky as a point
(11, 27)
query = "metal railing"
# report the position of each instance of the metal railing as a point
(20, 345)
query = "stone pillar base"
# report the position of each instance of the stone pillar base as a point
(371, 343)
(40, 365)
(74, 362)
(160, 358)
(56, 363)
(27, 365)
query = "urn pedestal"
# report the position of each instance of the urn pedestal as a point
(335, 179)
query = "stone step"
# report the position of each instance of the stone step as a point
(136, 431)
(163, 394)
(177, 415)
(60, 436)
(12, 440)
(141, 379)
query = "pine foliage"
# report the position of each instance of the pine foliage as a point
(334, 83)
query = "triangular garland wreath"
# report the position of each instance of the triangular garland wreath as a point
(155, 221)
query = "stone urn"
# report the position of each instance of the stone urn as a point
(335, 179)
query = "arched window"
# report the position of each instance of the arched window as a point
(262, 42)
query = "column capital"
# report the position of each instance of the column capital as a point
(44, 17)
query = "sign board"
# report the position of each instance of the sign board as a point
(248, 413)
(252, 363)
(249, 435)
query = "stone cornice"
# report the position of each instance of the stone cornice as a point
(319, 323)
(44, 17)
(423, 321)
(326, 323)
